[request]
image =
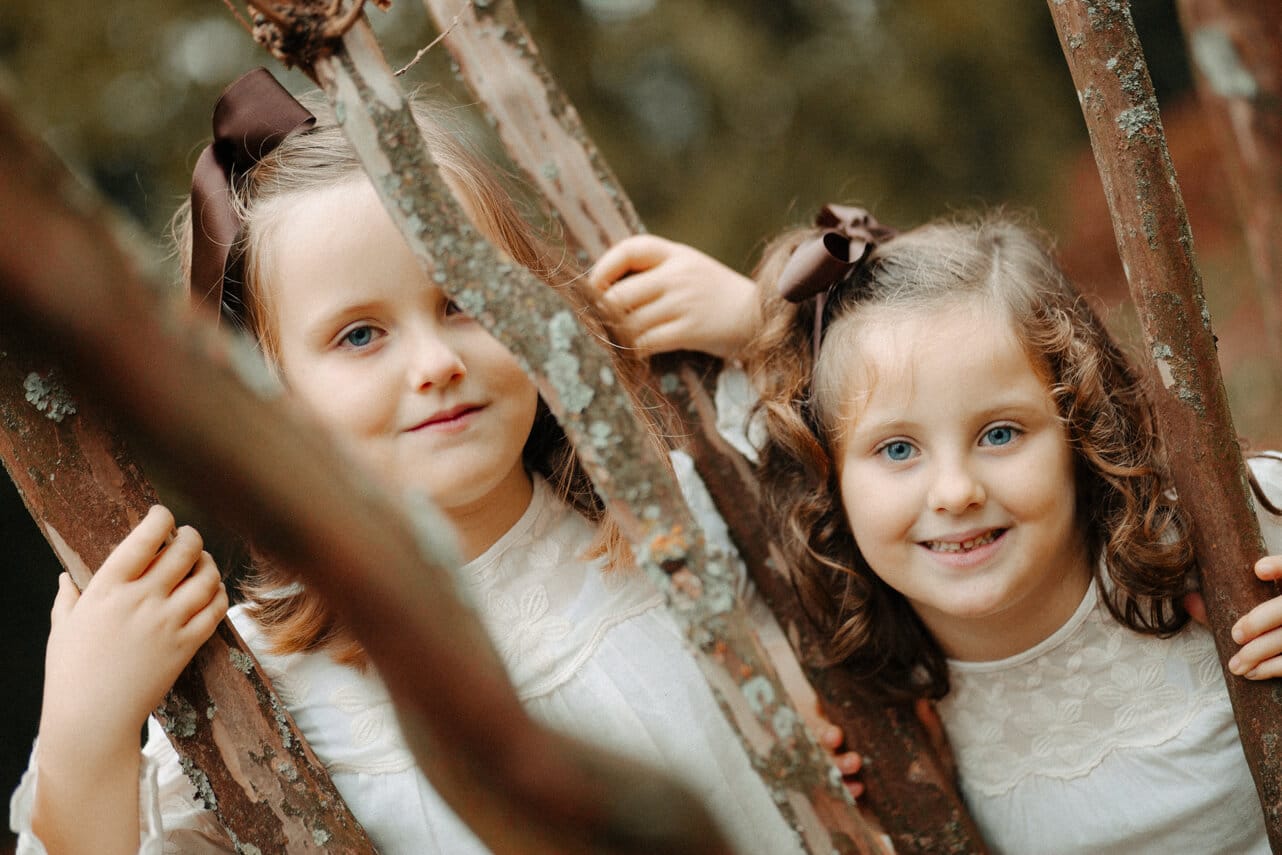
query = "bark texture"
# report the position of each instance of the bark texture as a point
(237, 743)
(1156, 246)
(526, 789)
(910, 786)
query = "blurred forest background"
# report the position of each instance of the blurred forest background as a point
(724, 119)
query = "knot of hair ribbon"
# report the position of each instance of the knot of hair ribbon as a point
(251, 118)
(821, 262)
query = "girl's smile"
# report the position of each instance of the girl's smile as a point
(957, 478)
(967, 549)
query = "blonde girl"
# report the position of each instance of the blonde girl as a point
(421, 393)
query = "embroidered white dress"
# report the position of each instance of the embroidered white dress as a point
(591, 653)
(1102, 740)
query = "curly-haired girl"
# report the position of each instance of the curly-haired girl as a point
(975, 503)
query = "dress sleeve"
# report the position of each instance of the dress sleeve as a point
(170, 819)
(1267, 469)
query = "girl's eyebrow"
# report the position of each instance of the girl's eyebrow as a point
(327, 318)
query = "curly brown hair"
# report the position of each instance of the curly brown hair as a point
(1132, 526)
(294, 618)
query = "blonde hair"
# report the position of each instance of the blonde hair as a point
(1125, 511)
(321, 157)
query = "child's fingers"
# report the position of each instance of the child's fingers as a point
(198, 589)
(204, 622)
(1261, 619)
(849, 762)
(631, 294)
(172, 566)
(663, 338)
(832, 737)
(1269, 568)
(1269, 669)
(133, 555)
(1265, 646)
(637, 253)
(66, 599)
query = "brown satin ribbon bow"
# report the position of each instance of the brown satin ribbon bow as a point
(822, 263)
(252, 117)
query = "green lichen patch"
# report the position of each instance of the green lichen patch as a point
(48, 396)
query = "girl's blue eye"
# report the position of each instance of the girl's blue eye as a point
(897, 450)
(999, 435)
(359, 337)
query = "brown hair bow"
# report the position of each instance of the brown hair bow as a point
(252, 117)
(822, 263)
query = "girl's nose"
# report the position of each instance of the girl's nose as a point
(956, 488)
(434, 362)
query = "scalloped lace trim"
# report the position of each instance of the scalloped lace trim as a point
(1092, 689)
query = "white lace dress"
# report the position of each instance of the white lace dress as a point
(591, 653)
(1102, 740)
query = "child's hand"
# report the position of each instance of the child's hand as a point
(1259, 631)
(848, 762)
(668, 296)
(116, 648)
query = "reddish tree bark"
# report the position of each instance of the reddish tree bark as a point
(525, 789)
(910, 787)
(1156, 246)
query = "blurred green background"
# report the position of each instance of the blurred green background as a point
(724, 119)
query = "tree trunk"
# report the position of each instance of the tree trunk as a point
(910, 789)
(1156, 246)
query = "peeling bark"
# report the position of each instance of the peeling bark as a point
(86, 493)
(523, 787)
(1236, 48)
(1156, 246)
(910, 787)
(576, 378)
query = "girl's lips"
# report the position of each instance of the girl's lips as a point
(967, 551)
(449, 420)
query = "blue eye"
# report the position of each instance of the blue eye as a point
(359, 337)
(897, 450)
(1000, 435)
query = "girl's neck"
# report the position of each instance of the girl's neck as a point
(480, 524)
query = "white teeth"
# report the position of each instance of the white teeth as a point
(965, 545)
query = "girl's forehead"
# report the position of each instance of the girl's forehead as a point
(891, 355)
